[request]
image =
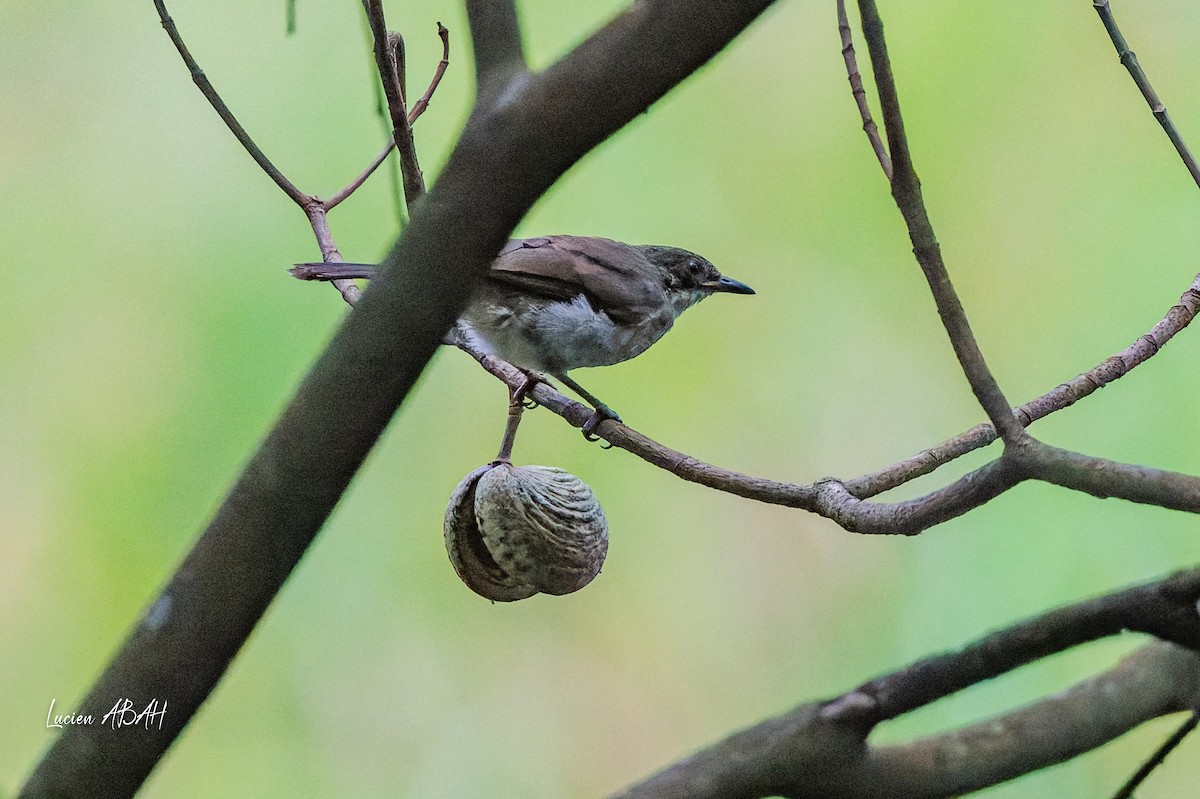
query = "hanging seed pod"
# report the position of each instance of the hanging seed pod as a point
(515, 531)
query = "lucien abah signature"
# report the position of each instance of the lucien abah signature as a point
(123, 714)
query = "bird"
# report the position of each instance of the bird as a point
(551, 304)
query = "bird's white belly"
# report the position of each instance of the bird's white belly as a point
(562, 335)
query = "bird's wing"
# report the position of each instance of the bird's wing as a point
(614, 277)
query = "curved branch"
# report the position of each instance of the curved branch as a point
(827, 497)
(800, 754)
(843, 501)
(819, 749)
(210, 93)
(1157, 680)
(1113, 368)
(1164, 608)
(906, 191)
(1104, 478)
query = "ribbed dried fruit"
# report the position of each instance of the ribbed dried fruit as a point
(515, 531)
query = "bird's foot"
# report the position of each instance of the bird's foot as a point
(602, 413)
(520, 394)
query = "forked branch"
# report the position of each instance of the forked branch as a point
(821, 748)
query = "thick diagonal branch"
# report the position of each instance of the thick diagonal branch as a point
(508, 155)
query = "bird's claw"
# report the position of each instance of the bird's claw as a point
(598, 415)
(520, 394)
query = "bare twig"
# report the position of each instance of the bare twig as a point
(210, 93)
(329, 252)
(827, 497)
(389, 55)
(860, 94)
(1130, 61)
(515, 410)
(362, 178)
(906, 191)
(1113, 368)
(313, 207)
(1158, 757)
(841, 502)
(420, 105)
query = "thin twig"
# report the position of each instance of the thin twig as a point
(906, 191)
(1113, 368)
(516, 407)
(381, 111)
(329, 252)
(385, 62)
(1158, 757)
(353, 185)
(860, 94)
(388, 46)
(1130, 60)
(313, 208)
(210, 93)
(420, 105)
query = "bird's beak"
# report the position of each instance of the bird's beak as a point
(729, 285)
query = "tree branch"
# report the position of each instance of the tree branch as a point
(1104, 478)
(859, 93)
(1163, 608)
(1113, 368)
(837, 499)
(803, 756)
(389, 60)
(819, 749)
(185, 641)
(496, 40)
(1130, 61)
(906, 191)
(210, 93)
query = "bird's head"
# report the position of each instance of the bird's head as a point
(689, 278)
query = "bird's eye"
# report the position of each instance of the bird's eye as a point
(694, 267)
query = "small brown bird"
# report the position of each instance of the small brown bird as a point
(556, 303)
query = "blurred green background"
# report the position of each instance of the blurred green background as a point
(149, 335)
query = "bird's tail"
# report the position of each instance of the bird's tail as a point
(333, 271)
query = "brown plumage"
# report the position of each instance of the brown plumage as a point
(555, 303)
